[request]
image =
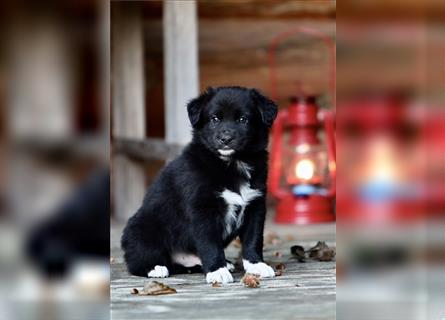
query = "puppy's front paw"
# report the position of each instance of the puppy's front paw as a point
(158, 272)
(222, 275)
(260, 268)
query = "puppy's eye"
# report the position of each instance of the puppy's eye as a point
(242, 120)
(214, 119)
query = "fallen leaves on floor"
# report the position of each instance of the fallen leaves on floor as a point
(320, 252)
(154, 288)
(251, 280)
(279, 269)
(134, 291)
(298, 252)
(280, 266)
(216, 284)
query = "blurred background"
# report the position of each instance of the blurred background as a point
(390, 186)
(54, 218)
(87, 83)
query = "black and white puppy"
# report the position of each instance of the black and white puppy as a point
(214, 191)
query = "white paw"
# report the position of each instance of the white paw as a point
(158, 272)
(260, 268)
(222, 275)
(230, 266)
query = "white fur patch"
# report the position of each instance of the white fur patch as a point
(230, 266)
(235, 200)
(222, 275)
(248, 194)
(226, 152)
(158, 272)
(260, 268)
(244, 168)
(186, 259)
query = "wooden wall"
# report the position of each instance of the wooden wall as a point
(234, 37)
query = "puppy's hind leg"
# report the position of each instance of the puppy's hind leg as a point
(145, 258)
(148, 262)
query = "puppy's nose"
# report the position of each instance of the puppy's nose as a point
(225, 137)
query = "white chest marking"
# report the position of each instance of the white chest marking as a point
(234, 201)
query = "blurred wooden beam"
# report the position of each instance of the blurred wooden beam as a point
(148, 149)
(127, 73)
(128, 105)
(181, 67)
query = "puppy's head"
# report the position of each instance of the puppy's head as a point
(232, 120)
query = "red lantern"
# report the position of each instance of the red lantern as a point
(382, 151)
(302, 168)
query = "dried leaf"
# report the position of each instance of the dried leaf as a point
(155, 288)
(319, 246)
(278, 254)
(280, 266)
(251, 280)
(216, 284)
(134, 291)
(322, 252)
(278, 273)
(298, 252)
(327, 254)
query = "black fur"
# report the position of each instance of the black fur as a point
(182, 210)
(80, 228)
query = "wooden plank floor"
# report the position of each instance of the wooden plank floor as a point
(304, 291)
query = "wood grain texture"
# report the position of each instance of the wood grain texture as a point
(304, 291)
(235, 52)
(260, 9)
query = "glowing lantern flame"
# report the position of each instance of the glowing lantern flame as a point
(305, 169)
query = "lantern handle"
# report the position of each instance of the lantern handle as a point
(311, 32)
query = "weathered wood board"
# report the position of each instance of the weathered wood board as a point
(304, 291)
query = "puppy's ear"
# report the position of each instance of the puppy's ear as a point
(195, 106)
(267, 107)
